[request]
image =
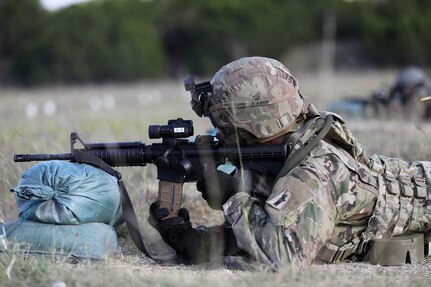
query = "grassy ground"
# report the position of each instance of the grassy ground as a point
(122, 113)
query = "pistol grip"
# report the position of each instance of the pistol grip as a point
(170, 196)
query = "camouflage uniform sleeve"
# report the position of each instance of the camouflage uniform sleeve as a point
(296, 221)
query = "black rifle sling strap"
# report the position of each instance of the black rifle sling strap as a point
(129, 214)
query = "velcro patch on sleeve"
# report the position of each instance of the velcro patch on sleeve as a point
(280, 200)
(290, 193)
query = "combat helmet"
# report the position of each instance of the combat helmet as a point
(410, 84)
(255, 96)
(409, 77)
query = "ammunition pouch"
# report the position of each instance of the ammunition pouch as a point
(332, 253)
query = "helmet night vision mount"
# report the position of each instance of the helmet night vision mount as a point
(200, 94)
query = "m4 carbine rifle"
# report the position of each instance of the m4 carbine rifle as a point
(178, 160)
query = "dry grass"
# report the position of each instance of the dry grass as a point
(136, 107)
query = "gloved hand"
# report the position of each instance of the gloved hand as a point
(177, 232)
(216, 188)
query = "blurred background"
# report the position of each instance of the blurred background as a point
(76, 42)
(73, 42)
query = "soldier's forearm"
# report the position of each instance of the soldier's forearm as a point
(256, 234)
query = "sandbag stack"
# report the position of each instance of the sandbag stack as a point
(67, 208)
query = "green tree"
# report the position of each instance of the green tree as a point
(397, 32)
(203, 34)
(21, 23)
(99, 41)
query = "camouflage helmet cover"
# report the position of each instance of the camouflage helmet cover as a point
(255, 94)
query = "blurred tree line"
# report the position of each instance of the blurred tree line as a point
(126, 40)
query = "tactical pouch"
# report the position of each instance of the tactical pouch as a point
(420, 187)
(332, 253)
(391, 183)
(406, 185)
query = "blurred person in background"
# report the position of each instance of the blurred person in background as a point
(326, 203)
(404, 99)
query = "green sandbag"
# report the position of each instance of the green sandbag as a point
(61, 192)
(87, 241)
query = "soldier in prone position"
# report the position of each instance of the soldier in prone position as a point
(404, 98)
(328, 201)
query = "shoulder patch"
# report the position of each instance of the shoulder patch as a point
(290, 193)
(279, 201)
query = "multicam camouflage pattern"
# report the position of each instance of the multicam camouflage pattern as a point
(329, 199)
(404, 203)
(255, 94)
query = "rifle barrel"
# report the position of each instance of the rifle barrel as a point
(42, 157)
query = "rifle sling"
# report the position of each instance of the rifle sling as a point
(129, 214)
